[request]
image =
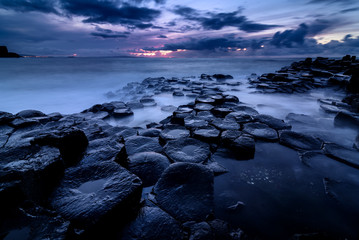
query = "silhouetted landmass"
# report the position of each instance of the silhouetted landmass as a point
(4, 53)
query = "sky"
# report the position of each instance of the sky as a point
(180, 28)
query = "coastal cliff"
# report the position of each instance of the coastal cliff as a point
(4, 53)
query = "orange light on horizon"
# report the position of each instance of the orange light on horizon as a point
(155, 53)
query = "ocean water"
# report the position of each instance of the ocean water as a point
(70, 85)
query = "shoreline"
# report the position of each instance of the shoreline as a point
(78, 174)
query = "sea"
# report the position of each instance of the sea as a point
(278, 193)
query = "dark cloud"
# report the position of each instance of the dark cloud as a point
(350, 10)
(45, 6)
(331, 1)
(217, 21)
(105, 35)
(162, 36)
(108, 33)
(98, 11)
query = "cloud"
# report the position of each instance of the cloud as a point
(331, 1)
(162, 36)
(45, 6)
(349, 10)
(108, 33)
(217, 21)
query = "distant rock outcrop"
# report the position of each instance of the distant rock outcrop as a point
(4, 53)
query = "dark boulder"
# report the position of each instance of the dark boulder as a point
(346, 119)
(199, 231)
(30, 114)
(222, 76)
(122, 112)
(353, 85)
(225, 124)
(245, 109)
(239, 117)
(152, 223)
(203, 107)
(243, 147)
(148, 102)
(150, 132)
(299, 141)
(187, 150)
(207, 134)
(261, 131)
(71, 142)
(6, 117)
(5, 54)
(148, 166)
(91, 195)
(342, 154)
(228, 136)
(272, 122)
(185, 191)
(21, 122)
(173, 132)
(137, 144)
(221, 111)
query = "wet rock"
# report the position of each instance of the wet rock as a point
(185, 191)
(35, 222)
(168, 108)
(148, 102)
(205, 115)
(23, 122)
(243, 147)
(122, 112)
(148, 166)
(173, 132)
(225, 124)
(301, 118)
(152, 223)
(6, 117)
(37, 172)
(178, 94)
(222, 76)
(91, 195)
(137, 144)
(206, 100)
(216, 168)
(231, 99)
(135, 105)
(346, 119)
(200, 231)
(356, 143)
(5, 132)
(203, 107)
(261, 131)
(150, 132)
(342, 154)
(299, 141)
(330, 108)
(187, 150)
(221, 111)
(245, 109)
(239, 117)
(229, 136)
(30, 114)
(207, 134)
(195, 122)
(220, 229)
(71, 142)
(272, 122)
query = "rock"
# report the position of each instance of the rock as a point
(243, 147)
(185, 191)
(261, 131)
(5, 132)
(272, 122)
(37, 172)
(35, 222)
(122, 112)
(187, 150)
(23, 122)
(342, 154)
(221, 111)
(301, 118)
(231, 99)
(299, 141)
(205, 99)
(353, 85)
(148, 166)
(225, 124)
(246, 110)
(356, 143)
(200, 231)
(6, 117)
(91, 195)
(168, 108)
(346, 119)
(152, 223)
(150, 132)
(178, 94)
(228, 136)
(135, 105)
(71, 142)
(216, 168)
(239, 117)
(148, 101)
(172, 133)
(195, 122)
(220, 229)
(137, 144)
(30, 114)
(5, 54)
(203, 107)
(222, 76)
(207, 134)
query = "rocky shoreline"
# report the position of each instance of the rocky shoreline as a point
(78, 177)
